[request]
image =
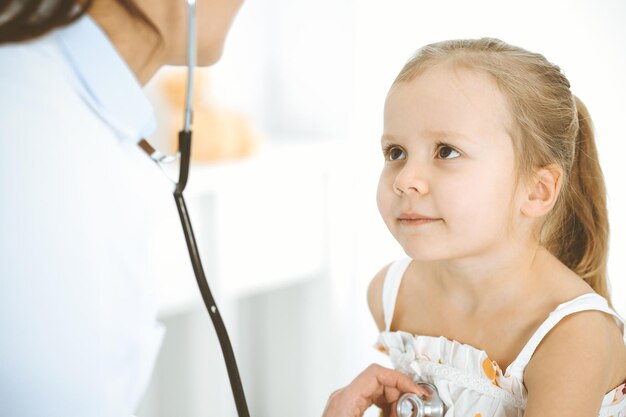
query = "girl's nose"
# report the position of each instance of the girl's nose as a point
(410, 180)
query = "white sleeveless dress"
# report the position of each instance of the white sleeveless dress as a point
(470, 383)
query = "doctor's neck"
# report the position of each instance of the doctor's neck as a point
(139, 45)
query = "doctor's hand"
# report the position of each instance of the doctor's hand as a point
(375, 385)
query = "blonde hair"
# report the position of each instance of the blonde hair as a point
(549, 126)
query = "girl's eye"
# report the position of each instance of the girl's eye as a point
(394, 153)
(444, 152)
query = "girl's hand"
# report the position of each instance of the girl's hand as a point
(375, 385)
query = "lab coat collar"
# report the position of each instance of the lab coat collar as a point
(106, 81)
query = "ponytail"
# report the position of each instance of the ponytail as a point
(580, 238)
(22, 20)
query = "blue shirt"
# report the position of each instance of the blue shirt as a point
(79, 202)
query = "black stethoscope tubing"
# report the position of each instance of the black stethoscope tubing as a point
(227, 350)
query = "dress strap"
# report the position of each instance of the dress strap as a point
(584, 302)
(391, 285)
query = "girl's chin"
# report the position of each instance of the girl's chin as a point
(426, 250)
(424, 254)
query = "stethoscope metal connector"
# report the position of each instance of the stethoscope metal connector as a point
(413, 405)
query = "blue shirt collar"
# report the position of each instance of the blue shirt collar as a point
(108, 84)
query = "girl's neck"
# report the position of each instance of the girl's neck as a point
(483, 285)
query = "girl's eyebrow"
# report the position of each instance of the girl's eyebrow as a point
(435, 134)
(443, 134)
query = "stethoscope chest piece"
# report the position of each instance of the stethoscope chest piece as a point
(413, 405)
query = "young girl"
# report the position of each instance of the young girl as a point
(491, 184)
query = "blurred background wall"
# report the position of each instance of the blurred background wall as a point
(290, 234)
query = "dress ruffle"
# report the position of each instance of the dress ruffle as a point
(415, 354)
(465, 374)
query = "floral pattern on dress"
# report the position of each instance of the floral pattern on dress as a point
(492, 370)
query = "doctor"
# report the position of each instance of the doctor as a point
(78, 329)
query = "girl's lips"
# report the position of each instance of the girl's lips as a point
(410, 216)
(416, 222)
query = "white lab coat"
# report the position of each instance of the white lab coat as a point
(78, 204)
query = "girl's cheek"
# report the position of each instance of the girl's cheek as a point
(458, 190)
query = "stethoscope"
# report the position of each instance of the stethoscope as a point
(184, 153)
(414, 405)
(409, 404)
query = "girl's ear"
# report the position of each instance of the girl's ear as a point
(542, 191)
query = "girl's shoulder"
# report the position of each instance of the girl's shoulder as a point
(582, 350)
(575, 329)
(383, 290)
(393, 282)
